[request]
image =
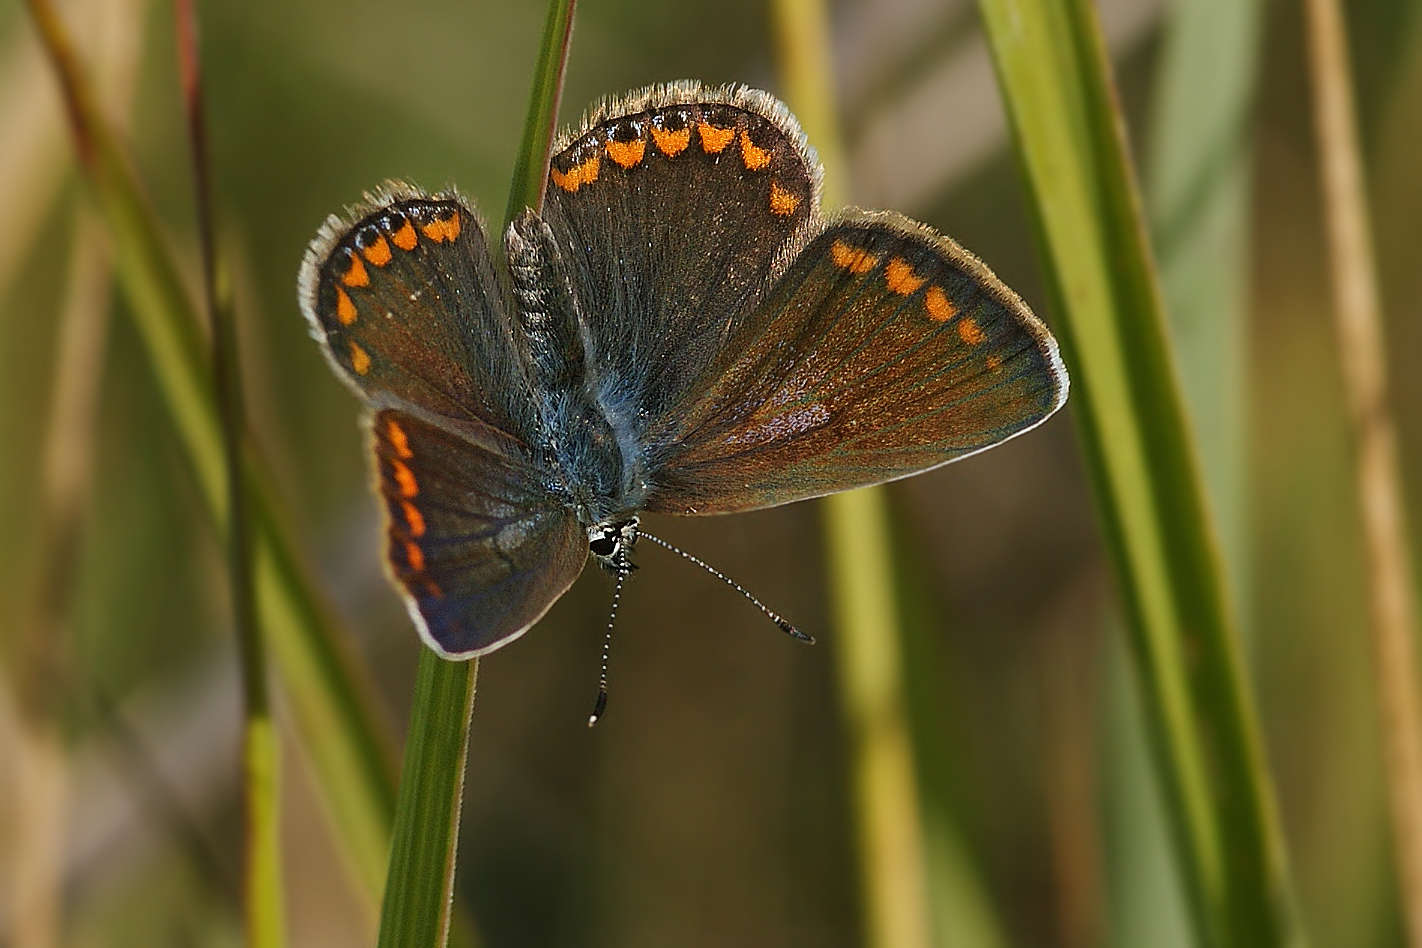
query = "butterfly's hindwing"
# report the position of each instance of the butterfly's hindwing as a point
(884, 350)
(479, 544)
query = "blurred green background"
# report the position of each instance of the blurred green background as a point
(710, 806)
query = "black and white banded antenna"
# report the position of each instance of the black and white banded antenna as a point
(622, 573)
(601, 704)
(770, 614)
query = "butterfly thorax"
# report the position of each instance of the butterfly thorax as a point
(584, 436)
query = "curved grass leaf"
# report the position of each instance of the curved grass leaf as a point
(1057, 86)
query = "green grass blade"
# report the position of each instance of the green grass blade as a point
(329, 698)
(261, 749)
(1197, 198)
(1057, 85)
(416, 912)
(1197, 181)
(530, 175)
(422, 860)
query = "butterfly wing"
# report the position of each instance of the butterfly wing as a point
(404, 302)
(672, 209)
(479, 550)
(406, 306)
(883, 350)
(755, 354)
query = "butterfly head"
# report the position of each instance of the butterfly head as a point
(611, 543)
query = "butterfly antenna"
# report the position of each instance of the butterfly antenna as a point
(773, 616)
(601, 704)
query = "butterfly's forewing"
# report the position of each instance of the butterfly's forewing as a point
(478, 548)
(672, 209)
(884, 350)
(405, 301)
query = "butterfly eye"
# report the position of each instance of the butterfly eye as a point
(603, 546)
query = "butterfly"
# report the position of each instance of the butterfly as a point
(679, 330)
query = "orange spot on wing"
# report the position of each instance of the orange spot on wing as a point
(627, 154)
(405, 238)
(414, 518)
(398, 439)
(360, 359)
(356, 275)
(714, 140)
(994, 363)
(782, 202)
(578, 175)
(940, 307)
(442, 229)
(901, 278)
(854, 259)
(404, 479)
(414, 556)
(345, 309)
(378, 253)
(971, 332)
(671, 143)
(752, 155)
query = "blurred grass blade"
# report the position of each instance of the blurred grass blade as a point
(1383, 514)
(262, 876)
(1061, 102)
(420, 886)
(868, 644)
(1197, 196)
(330, 700)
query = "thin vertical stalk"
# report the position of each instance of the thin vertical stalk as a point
(329, 696)
(868, 645)
(418, 894)
(416, 912)
(262, 889)
(530, 176)
(1358, 319)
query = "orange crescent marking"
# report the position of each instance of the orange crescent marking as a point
(578, 175)
(398, 439)
(442, 229)
(627, 154)
(853, 259)
(378, 253)
(360, 359)
(671, 143)
(714, 140)
(940, 307)
(414, 518)
(345, 309)
(405, 480)
(405, 238)
(971, 332)
(752, 155)
(414, 556)
(782, 202)
(901, 278)
(356, 275)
